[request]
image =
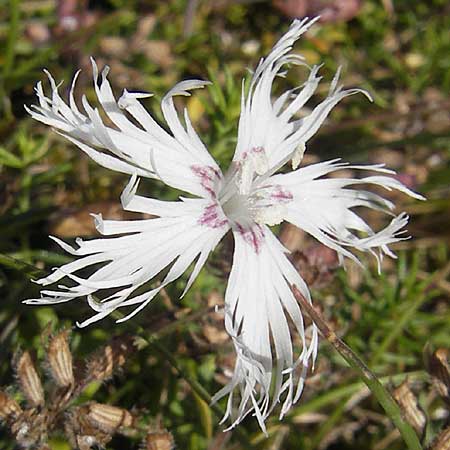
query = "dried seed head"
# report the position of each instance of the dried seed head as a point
(108, 418)
(60, 359)
(81, 433)
(410, 409)
(442, 442)
(9, 408)
(439, 368)
(31, 428)
(159, 440)
(86, 442)
(109, 358)
(30, 382)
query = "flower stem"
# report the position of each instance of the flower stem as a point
(378, 390)
(21, 266)
(9, 54)
(199, 390)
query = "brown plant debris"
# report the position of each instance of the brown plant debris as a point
(317, 264)
(410, 408)
(52, 411)
(60, 360)
(438, 367)
(9, 408)
(442, 441)
(109, 359)
(29, 380)
(108, 418)
(328, 10)
(159, 440)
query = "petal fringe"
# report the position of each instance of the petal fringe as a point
(258, 307)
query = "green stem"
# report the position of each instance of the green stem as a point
(199, 390)
(422, 296)
(20, 266)
(12, 36)
(193, 383)
(346, 391)
(378, 390)
(8, 64)
(154, 342)
(397, 329)
(331, 397)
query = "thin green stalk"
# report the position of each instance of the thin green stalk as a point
(19, 265)
(346, 391)
(193, 383)
(9, 54)
(410, 312)
(197, 388)
(398, 328)
(329, 423)
(378, 390)
(13, 33)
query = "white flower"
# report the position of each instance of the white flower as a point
(246, 200)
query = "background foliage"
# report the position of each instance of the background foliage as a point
(397, 50)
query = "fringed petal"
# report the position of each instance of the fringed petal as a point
(269, 125)
(324, 207)
(130, 148)
(117, 150)
(125, 263)
(258, 307)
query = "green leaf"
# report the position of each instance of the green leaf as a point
(10, 160)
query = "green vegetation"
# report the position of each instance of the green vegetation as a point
(48, 187)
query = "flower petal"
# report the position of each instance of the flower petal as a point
(324, 207)
(109, 147)
(268, 125)
(258, 303)
(130, 148)
(130, 261)
(263, 124)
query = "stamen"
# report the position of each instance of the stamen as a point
(253, 162)
(270, 215)
(298, 155)
(260, 161)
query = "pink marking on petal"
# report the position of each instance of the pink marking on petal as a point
(281, 194)
(254, 235)
(212, 217)
(246, 154)
(208, 176)
(257, 150)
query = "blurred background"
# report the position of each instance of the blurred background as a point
(138, 384)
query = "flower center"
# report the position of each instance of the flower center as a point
(242, 199)
(264, 205)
